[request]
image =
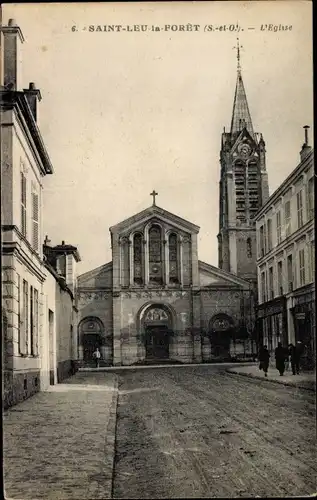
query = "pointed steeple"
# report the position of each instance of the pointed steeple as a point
(240, 115)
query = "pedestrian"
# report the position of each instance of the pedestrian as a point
(96, 355)
(280, 357)
(295, 353)
(264, 358)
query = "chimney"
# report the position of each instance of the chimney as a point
(305, 147)
(63, 242)
(47, 241)
(12, 37)
(33, 95)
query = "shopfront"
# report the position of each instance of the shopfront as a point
(303, 314)
(272, 323)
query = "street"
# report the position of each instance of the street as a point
(183, 431)
(202, 432)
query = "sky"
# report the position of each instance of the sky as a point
(125, 112)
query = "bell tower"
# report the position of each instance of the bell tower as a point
(243, 187)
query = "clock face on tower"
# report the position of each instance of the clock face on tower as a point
(244, 150)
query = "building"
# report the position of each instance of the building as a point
(60, 287)
(24, 164)
(29, 286)
(286, 261)
(243, 189)
(156, 300)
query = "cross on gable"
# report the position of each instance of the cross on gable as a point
(154, 194)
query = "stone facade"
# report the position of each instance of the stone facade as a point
(34, 306)
(156, 299)
(134, 316)
(286, 262)
(25, 163)
(243, 189)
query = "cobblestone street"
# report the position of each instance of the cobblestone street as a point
(202, 432)
(59, 444)
(187, 431)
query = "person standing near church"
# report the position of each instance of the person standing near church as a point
(295, 353)
(96, 355)
(280, 357)
(264, 358)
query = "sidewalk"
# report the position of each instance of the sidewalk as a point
(59, 444)
(306, 380)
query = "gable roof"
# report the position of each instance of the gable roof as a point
(220, 277)
(160, 213)
(94, 272)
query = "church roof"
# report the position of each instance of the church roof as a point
(221, 276)
(241, 117)
(153, 211)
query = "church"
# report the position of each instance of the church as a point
(156, 302)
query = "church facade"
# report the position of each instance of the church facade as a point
(156, 301)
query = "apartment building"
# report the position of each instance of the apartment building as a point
(286, 261)
(38, 306)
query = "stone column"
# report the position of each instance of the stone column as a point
(196, 325)
(194, 261)
(180, 255)
(146, 259)
(197, 349)
(117, 351)
(130, 243)
(165, 260)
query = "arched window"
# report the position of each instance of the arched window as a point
(137, 259)
(173, 260)
(249, 247)
(240, 179)
(155, 255)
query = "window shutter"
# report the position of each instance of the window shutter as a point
(23, 204)
(36, 322)
(24, 322)
(35, 221)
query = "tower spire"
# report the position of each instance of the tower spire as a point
(240, 115)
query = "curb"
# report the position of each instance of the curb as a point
(110, 444)
(103, 369)
(297, 386)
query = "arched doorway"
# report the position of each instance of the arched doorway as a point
(220, 334)
(157, 325)
(91, 337)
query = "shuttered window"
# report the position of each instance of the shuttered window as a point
(35, 221)
(300, 220)
(34, 306)
(287, 218)
(23, 205)
(31, 321)
(301, 267)
(19, 310)
(24, 320)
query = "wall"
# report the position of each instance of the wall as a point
(126, 309)
(24, 161)
(48, 338)
(236, 304)
(22, 374)
(64, 324)
(97, 305)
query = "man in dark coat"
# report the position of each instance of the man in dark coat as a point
(295, 354)
(280, 357)
(264, 358)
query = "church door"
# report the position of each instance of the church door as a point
(90, 342)
(157, 342)
(220, 336)
(157, 324)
